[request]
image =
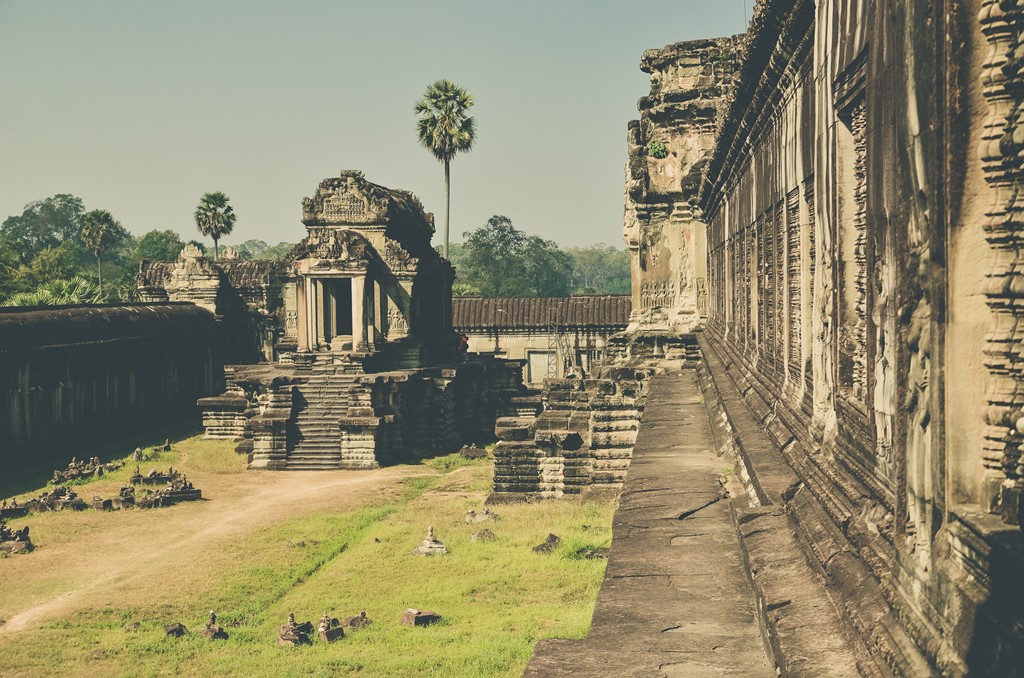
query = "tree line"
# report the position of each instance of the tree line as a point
(56, 252)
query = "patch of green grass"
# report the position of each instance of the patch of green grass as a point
(450, 462)
(496, 598)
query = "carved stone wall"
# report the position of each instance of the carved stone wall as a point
(848, 274)
(667, 148)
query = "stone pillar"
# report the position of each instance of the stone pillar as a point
(358, 312)
(302, 317)
(318, 288)
(330, 311)
(381, 300)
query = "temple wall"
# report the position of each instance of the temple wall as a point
(77, 375)
(668, 147)
(854, 238)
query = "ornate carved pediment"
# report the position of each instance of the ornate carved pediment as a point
(329, 247)
(345, 200)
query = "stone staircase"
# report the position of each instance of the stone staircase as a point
(314, 442)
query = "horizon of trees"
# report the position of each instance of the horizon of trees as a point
(42, 251)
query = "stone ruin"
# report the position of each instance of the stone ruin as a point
(549, 545)
(125, 499)
(292, 634)
(211, 630)
(356, 621)
(82, 470)
(484, 516)
(431, 546)
(366, 366)
(60, 498)
(415, 617)
(14, 541)
(329, 629)
(178, 490)
(154, 477)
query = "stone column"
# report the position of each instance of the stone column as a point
(381, 300)
(311, 321)
(330, 311)
(358, 312)
(301, 317)
(318, 286)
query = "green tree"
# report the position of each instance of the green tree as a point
(445, 129)
(159, 246)
(498, 260)
(600, 269)
(100, 231)
(259, 249)
(43, 223)
(215, 217)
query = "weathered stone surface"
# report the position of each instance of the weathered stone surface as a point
(356, 621)
(549, 545)
(484, 535)
(481, 517)
(176, 630)
(211, 630)
(415, 617)
(292, 634)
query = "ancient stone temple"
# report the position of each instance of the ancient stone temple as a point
(861, 362)
(368, 368)
(368, 278)
(668, 148)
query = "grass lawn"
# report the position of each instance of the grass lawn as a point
(265, 544)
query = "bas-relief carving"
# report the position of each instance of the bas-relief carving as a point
(346, 199)
(1002, 142)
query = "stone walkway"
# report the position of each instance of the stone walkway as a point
(676, 599)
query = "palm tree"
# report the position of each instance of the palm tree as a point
(78, 290)
(215, 217)
(99, 232)
(445, 129)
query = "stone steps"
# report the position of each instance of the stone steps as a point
(314, 441)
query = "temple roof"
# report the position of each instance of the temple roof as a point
(350, 201)
(35, 327)
(472, 314)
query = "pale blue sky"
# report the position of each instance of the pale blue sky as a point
(139, 107)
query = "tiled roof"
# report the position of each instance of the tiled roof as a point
(477, 313)
(28, 328)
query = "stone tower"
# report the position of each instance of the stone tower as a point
(668, 147)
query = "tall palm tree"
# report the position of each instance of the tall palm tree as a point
(99, 231)
(445, 129)
(215, 217)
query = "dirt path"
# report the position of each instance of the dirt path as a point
(94, 558)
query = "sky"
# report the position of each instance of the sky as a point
(140, 107)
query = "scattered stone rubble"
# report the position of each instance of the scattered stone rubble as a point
(484, 535)
(177, 491)
(473, 452)
(356, 621)
(12, 510)
(482, 517)
(14, 541)
(414, 617)
(431, 546)
(211, 630)
(292, 634)
(176, 630)
(82, 470)
(548, 545)
(154, 477)
(329, 629)
(60, 498)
